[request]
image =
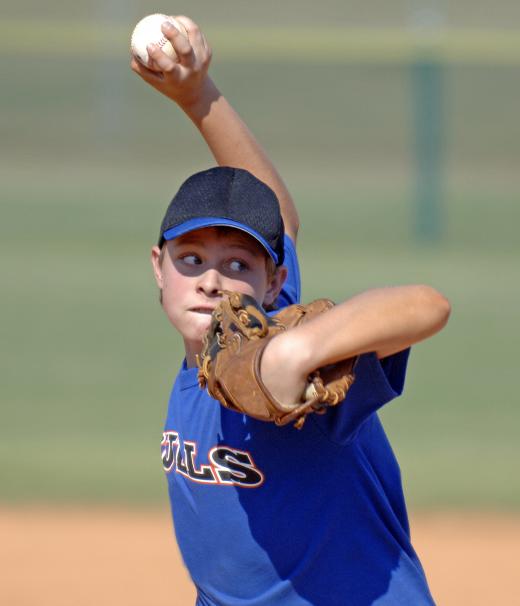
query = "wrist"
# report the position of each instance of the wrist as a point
(196, 103)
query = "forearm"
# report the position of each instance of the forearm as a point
(383, 320)
(233, 144)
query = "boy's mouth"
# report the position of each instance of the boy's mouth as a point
(202, 310)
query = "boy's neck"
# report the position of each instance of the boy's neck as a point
(191, 351)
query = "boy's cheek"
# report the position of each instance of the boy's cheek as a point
(173, 314)
(190, 325)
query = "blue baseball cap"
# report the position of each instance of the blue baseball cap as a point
(227, 197)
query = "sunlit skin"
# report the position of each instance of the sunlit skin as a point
(194, 268)
(383, 321)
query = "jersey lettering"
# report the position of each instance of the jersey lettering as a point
(226, 466)
(181, 462)
(235, 467)
(169, 443)
(205, 473)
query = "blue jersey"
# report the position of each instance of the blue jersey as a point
(275, 516)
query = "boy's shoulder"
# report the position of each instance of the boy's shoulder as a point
(291, 289)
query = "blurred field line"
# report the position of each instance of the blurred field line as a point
(302, 44)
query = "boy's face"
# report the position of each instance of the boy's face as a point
(193, 269)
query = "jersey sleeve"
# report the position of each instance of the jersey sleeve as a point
(377, 383)
(291, 290)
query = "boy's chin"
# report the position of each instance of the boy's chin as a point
(198, 328)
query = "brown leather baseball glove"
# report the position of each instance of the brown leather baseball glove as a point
(229, 365)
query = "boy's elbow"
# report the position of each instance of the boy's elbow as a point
(438, 305)
(443, 310)
(292, 227)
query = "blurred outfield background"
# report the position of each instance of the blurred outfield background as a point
(90, 157)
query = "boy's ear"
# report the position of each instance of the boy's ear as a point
(156, 264)
(275, 285)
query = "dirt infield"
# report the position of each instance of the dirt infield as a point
(73, 557)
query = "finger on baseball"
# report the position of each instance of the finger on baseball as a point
(193, 30)
(189, 24)
(206, 44)
(180, 43)
(195, 34)
(200, 46)
(160, 59)
(208, 52)
(147, 74)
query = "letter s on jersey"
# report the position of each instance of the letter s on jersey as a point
(235, 467)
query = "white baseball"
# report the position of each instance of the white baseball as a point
(148, 31)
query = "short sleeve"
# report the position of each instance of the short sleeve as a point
(291, 290)
(377, 383)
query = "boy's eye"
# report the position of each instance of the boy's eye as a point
(191, 259)
(237, 265)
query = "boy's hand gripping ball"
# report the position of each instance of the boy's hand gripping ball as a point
(148, 31)
(229, 365)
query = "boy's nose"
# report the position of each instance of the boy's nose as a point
(210, 282)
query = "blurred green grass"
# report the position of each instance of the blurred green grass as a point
(90, 158)
(400, 13)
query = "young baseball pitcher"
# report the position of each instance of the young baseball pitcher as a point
(269, 514)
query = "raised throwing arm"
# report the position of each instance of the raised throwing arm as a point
(187, 83)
